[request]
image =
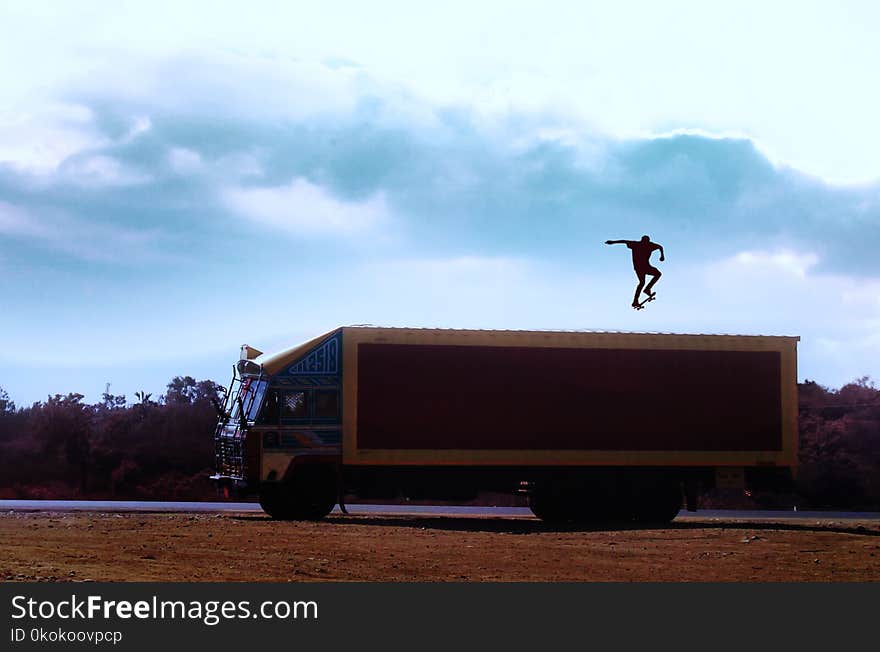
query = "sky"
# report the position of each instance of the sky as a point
(177, 179)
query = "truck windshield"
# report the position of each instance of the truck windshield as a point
(251, 394)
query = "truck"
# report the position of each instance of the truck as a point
(588, 426)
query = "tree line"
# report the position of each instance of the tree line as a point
(162, 449)
(64, 448)
(839, 445)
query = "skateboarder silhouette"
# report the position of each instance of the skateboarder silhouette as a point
(641, 254)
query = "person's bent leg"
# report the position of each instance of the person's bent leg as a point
(656, 277)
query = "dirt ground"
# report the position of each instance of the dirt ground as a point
(248, 547)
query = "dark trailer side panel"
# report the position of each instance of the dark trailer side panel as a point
(448, 397)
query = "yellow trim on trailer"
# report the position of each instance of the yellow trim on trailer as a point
(353, 337)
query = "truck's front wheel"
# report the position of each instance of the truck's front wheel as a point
(309, 496)
(275, 501)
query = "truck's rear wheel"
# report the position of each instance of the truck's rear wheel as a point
(582, 510)
(309, 496)
(591, 500)
(660, 505)
(562, 505)
(550, 510)
(550, 503)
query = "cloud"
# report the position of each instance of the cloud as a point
(596, 63)
(62, 142)
(37, 140)
(184, 161)
(356, 150)
(329, 148)
(250, 86)
(139, 125)
(303, 208)
(264, 135)
(56, 231)
(786, 262)
(17, 222)
(97, 171)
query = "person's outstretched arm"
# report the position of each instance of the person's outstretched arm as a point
(618, 241)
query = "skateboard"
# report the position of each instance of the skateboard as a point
(641, 305)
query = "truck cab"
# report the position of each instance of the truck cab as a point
(279, 416)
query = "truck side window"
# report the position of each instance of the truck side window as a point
(295, 405)
(269, 413)
(326, 404)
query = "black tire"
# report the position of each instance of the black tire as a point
(550, 511)
(314, 489)
(608, 509)
(309, 496)
(275, 501)
(583, 500)
(659, 506)
(549, 503)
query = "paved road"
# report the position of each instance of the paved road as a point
(150, 506)
(431, 510)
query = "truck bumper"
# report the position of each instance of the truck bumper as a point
(230, 486)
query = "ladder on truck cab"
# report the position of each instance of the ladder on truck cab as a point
(230, 461)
